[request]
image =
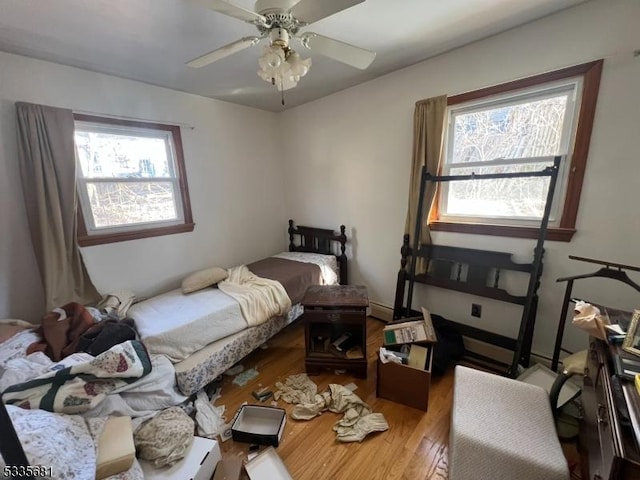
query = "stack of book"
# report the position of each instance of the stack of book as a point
(415, 337)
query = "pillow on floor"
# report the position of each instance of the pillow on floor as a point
(203, 279)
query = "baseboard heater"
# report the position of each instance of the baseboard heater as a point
(381, 311)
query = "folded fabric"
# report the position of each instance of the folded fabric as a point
(80, 387)
(117, 302)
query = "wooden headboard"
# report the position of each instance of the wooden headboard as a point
(320, 240)
(476, 272)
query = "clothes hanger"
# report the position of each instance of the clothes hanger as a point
(608, 271)
(614, 271)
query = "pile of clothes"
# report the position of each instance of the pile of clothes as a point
(358, 420)
(75, 328)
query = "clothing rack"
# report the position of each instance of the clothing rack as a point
(614, 271)
(525, 329)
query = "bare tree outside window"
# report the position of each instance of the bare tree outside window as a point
(131, 180)
(526, 130)
(513, 127)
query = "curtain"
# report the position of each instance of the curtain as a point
(46, 152)
(428, 128)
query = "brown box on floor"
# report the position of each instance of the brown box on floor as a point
(404, 384)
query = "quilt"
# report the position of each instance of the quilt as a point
(81, 387)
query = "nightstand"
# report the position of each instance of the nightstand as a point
(335, 323)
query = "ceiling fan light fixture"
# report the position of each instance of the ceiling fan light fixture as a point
(282, 67)
(299, 66)
(279, 21)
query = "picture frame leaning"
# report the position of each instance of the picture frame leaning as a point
(631, 343)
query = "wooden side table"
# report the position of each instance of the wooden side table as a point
(331, 313)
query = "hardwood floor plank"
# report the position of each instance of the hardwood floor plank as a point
(415, 445)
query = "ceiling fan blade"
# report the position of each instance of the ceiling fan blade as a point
(309, 11)
(223, 52)
(340, 51)
(232, 10)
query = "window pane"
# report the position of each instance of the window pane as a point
(504, 197)
(530, 129)
(113, 155)
(127, 203)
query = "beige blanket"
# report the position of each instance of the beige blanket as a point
(259, 298)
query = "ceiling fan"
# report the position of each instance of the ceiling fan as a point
(280, 21)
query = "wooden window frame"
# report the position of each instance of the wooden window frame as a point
(85, 239)
(590, 73)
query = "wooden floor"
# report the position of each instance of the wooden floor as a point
(414, 447)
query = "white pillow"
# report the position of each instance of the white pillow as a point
(203, 279)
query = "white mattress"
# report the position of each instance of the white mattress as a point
(176, 325)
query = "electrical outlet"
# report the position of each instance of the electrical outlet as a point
(476, 310)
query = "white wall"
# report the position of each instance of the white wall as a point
(233, 172)
(346, 160)
(349, 159)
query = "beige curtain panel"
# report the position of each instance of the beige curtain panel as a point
(46, 152)
(428, 129)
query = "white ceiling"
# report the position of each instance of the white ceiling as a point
(150, 40)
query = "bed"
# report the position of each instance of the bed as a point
(180, 325)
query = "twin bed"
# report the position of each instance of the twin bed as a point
(205, 332)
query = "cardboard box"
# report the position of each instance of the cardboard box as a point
(198, 464)
(267, 465)
(403, 384)
(228, 468)
(259, 424)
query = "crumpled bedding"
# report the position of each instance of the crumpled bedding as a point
(66, 443)
(80, 387)
(259, 298)
(10, 326)
(16, 346)
(141, 400)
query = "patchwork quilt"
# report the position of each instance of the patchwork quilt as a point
(81, 387)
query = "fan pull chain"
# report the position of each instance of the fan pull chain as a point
(282, 91)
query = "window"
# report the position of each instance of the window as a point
(131, 180)
(517, 127)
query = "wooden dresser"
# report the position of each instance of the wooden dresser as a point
(612, 446)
